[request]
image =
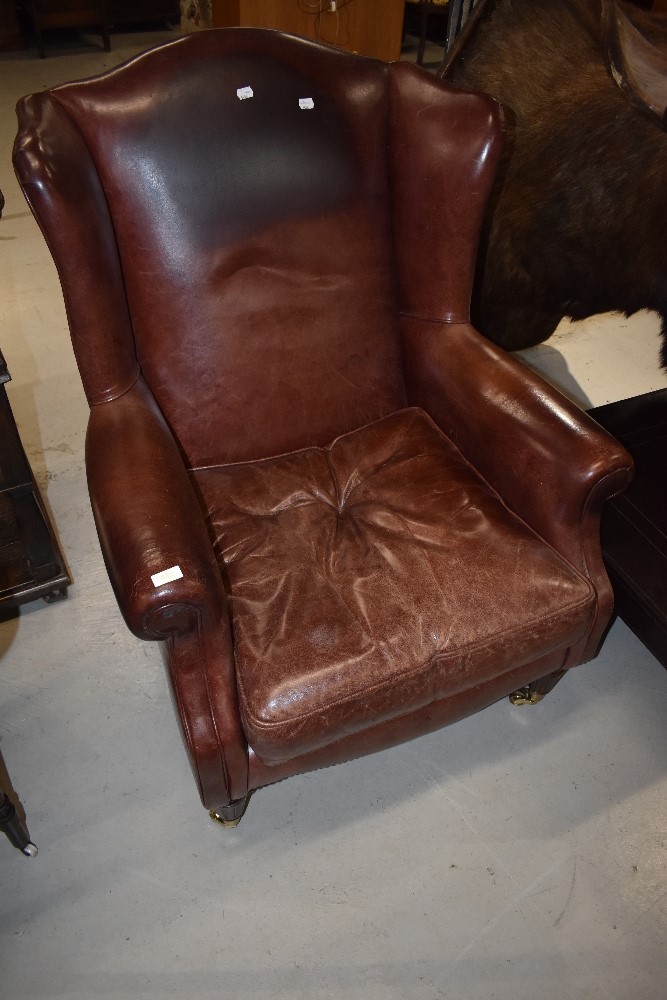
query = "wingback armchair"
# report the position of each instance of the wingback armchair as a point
(349, 518)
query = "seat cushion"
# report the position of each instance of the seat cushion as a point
(373, 577)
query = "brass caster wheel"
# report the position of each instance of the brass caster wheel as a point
(230, 815)
(228, 824)
(524, 696)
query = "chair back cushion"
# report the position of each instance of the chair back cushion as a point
(244, 180)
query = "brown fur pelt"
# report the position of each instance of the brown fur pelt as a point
(578, 219)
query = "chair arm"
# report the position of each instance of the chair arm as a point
(548, 460)
(148, 519)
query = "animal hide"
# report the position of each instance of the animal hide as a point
(577, 223)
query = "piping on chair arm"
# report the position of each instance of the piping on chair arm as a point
(148, 519)
(549, 461)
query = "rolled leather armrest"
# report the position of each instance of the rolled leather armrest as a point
(548, 460)
(148, 519)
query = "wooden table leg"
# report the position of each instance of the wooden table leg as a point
(16, 830)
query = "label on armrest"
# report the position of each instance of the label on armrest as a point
(167, 576)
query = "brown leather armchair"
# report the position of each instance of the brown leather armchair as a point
(350, 519)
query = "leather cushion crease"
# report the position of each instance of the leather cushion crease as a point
(372, 577)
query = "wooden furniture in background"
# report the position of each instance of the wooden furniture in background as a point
(31, 563)
(427, 9)
(124, 11)
(12, 823)
(424, 9)
(634, 525)
(10, 31)
(369, 27)
(69, 14)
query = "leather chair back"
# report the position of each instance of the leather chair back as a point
(227, 216)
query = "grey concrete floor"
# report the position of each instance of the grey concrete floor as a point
(518, 855)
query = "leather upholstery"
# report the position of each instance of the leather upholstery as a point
(282, 226)
(381, 521)
(373, 577)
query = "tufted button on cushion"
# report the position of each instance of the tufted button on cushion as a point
(373, 577)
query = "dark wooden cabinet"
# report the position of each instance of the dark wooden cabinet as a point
(372, 28)
(46, 14)
(100, 14)
(31, 563)
(10, 31)
(634, 524)
(122, 11)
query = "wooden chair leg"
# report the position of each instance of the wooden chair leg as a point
(39, 38)
(16, 830)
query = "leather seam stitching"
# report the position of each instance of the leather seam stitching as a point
(121, 392)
